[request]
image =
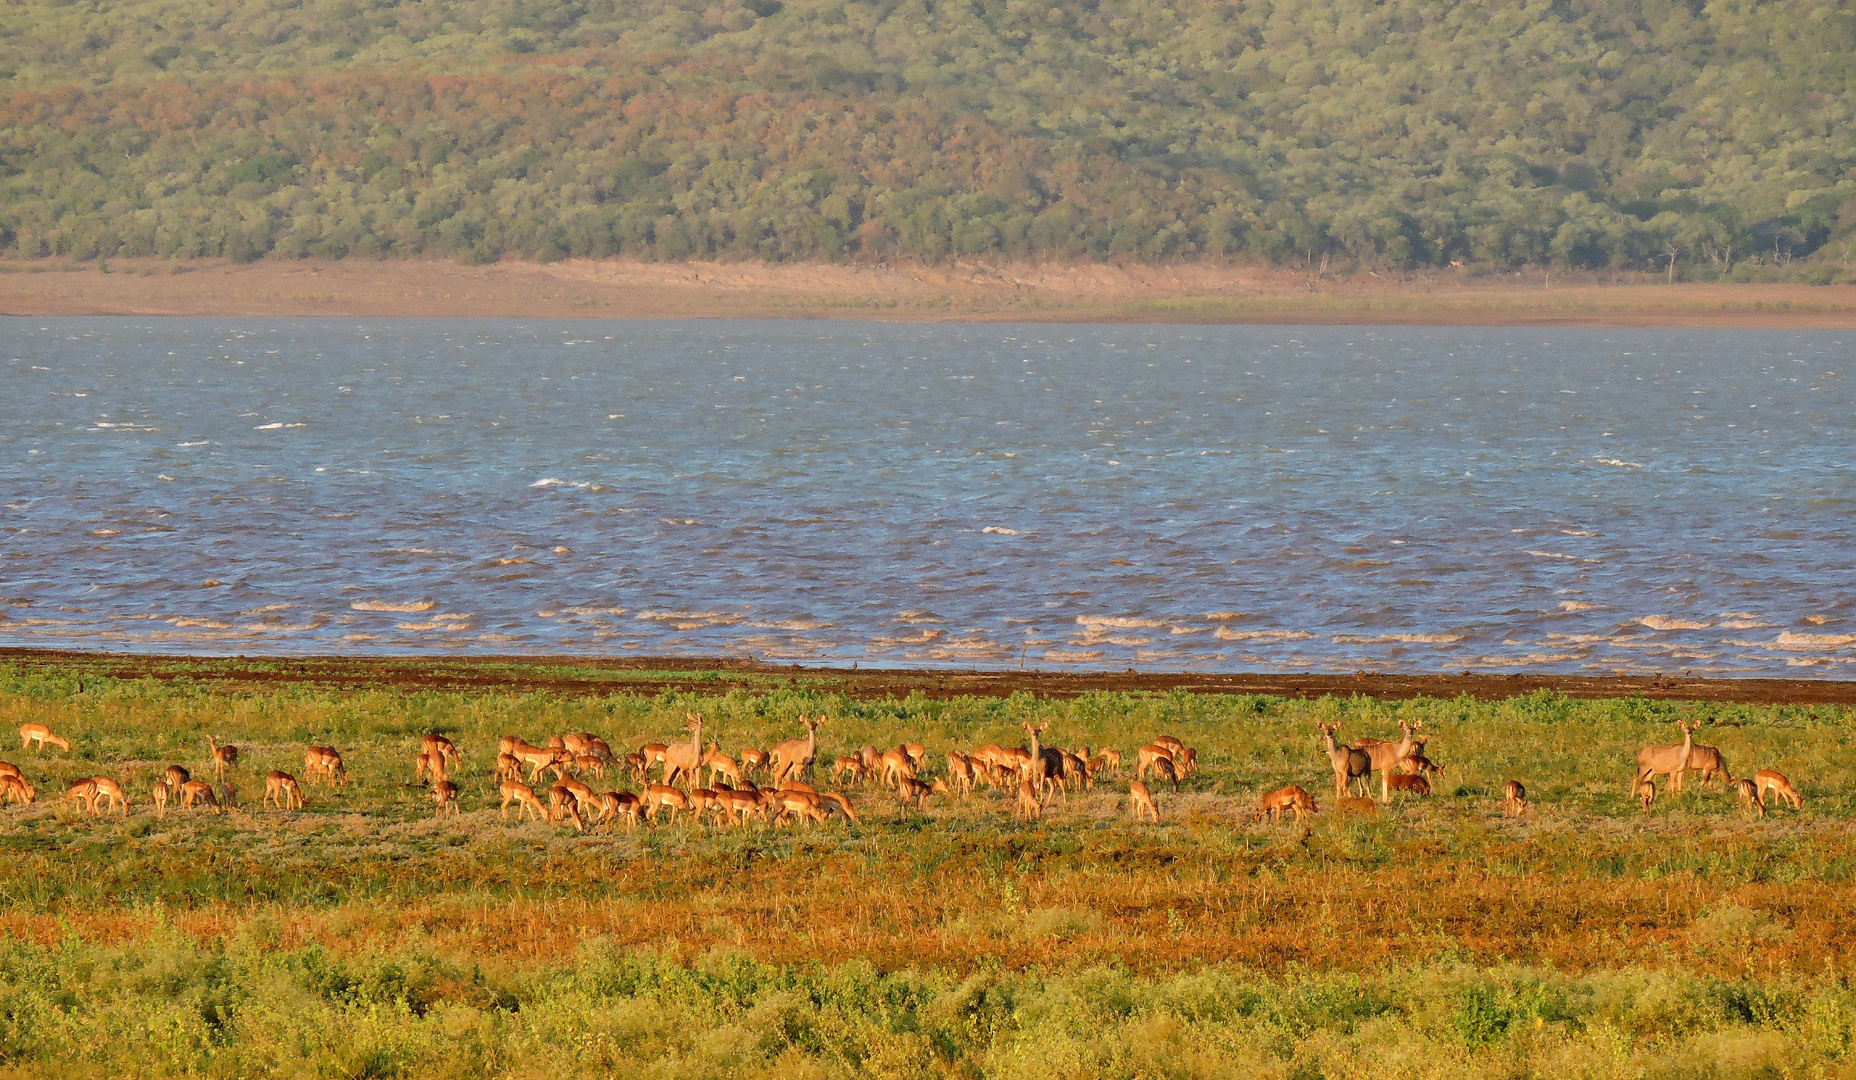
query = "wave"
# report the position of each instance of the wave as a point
(387, 605)
(1401, 639)
(1227, 634)
(1618, 464)
(1001, 531)
(1114, 622)
(1577, 605)
(276, 426)
(1560, 555)
(1668, 622)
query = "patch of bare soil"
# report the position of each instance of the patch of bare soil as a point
(1089, 292)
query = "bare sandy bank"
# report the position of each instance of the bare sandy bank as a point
(1081, 293)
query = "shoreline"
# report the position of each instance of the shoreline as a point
(588, 675)
(958, 292)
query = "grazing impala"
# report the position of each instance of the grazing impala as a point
(425, 762)
(507, 768)
(282, 791)
(1774, 783)
(160, 794)
(200, 791)
(1141, 802)
(620, 804)
(1030, 800)
(434, 743)
(15, 788)
(84, 793)
(661, 795)
(850, 766)
(1514, 799)
(176, 775)
(1417, 785)
(1286, 800)
(109, 792)
(39, 733)
(1749, 796)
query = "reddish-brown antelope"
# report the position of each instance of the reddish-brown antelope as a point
(1774, 783)
(198, 791)
(1111, 759)
(620, 804)
(39, 733)
(282, 791)
(1385, 757)
(850, 766)
(1514, 799)
(1646, 794)
(960, 773)
(224, 757)
(325, 763)
(176, 775)
(515, 791)
(721, 766)
(1417, 785)
(434, 743)
(1149, 754)
(1285, 800)
(444, 797)
(1653, 761)
(428, 762)
(662, 795)
(109, 793)
(1349, 764)
(753, 760)
(1749, 796)
(15, 788)
(1707, 762)
(1030, 800)
(683, 760)
(791, 759)
(590, 763)
(737, 805)
(1141, 802)
(539, 759)
(896, 768)
(159, 792)
(1166, 772)
(84, 793)
(910, 791)
(833, 801)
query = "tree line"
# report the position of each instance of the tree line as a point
(1706, 140)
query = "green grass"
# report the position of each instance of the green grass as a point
(364, 938)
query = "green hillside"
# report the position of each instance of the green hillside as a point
(1372, 133)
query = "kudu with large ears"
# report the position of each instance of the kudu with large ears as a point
(1665, 760)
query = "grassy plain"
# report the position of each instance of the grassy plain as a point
(363, 938)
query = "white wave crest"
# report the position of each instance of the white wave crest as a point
(388, 605)
(1669, 622)
(1001, 531)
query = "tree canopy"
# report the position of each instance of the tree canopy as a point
(1379, 133)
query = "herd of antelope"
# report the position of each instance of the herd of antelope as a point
(1033, 773)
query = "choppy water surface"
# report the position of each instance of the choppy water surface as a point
(1111, 496)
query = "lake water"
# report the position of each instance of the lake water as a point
(1161, 497)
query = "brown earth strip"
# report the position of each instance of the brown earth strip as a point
(1187, 293)
(580, 675)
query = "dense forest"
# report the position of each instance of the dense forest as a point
(1621, 134)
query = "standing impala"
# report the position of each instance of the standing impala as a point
(791, 759)
(1665, 760)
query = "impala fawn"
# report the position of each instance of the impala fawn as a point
(1283, 800)
(1749, 796)
(159, 792)
(662, 795)
(427, 761)
(850, 766)
(224, 757)
(1030, 800)
(444, 797)
(1514, 799)
(1646, 794)
(1774, 783)
(282, 791)
(1141, 802)
(39, 733)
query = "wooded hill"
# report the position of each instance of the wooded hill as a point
(1371, 133)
